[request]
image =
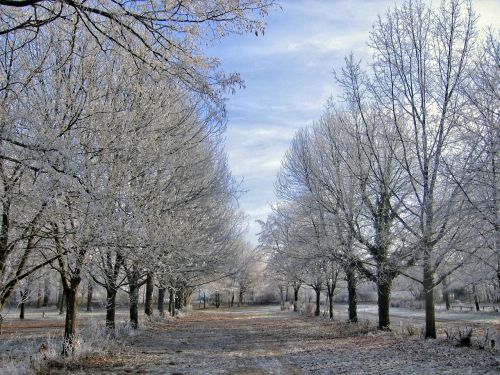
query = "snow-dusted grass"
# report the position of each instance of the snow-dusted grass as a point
(27, 355)
(264, 340)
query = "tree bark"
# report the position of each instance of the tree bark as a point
(161, 301)
(282, 297)
(22, 308)
(134, 304)
(148, 304)
(384, 302)
(330, 303)
(476, 300)
(110, 308)
(331, 284)
(296, 298)
(112, 272)
(46, 292)
(22, 305)
(178, 299)
(240, 298)
(217, 300)
(351, 290)
(318, 296)
(171, 302)
(71, 296)
(430, 318)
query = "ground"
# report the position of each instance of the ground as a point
(265, 340)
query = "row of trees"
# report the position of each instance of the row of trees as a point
(399, 176)
(111, 160)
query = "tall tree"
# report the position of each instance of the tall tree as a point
(421, 62)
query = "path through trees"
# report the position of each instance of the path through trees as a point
(265, 340)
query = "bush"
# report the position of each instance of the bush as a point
(461, 337)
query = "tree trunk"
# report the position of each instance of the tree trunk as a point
(330, 303)
(430, 318)
(22, 309)
(384, 302)
(217, 300)
(186, 301)
(90, 291)
(318, 296)
(161, 301)
(282, 297)
(353, 299)
(296, 298)
(204, 300)
(46, 292)
(171, 303)
(178, 299)
(134, 304)
(71, 296)
(330, 286)
(476, 299)
(22, 304)
(110, 308)
(148, 303)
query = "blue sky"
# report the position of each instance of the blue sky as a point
(288, 75)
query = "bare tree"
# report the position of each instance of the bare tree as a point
(482, 139)
(421, 62)
(313, 168)
(285, 262)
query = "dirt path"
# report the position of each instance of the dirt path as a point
(267, 341)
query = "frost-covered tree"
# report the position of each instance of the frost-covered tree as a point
(285, 264)
(481, 143)
(421, 63)
(313, 169)
(167, 35)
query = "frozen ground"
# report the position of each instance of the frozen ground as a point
(264, 340)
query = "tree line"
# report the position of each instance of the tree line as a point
(112, 163)
(399, 176)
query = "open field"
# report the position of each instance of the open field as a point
(262, 340)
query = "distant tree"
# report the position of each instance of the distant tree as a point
(276, 238)
(313, 177)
